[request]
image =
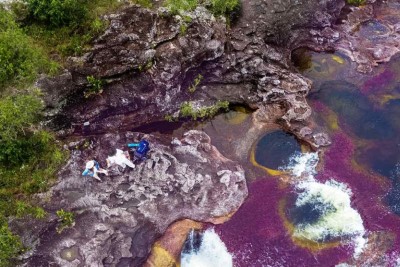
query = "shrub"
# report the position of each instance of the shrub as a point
(18, 113)
(66, 219)
(73, 38)
(58, 13)
(96, 86)
(20, 59)
(224, 7)
(10, 245)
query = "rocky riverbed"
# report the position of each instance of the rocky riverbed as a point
(147, 64)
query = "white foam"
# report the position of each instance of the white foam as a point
(212, 253)
(303, 165)
(339, 219)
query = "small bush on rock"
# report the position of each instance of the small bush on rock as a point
(224, 7)
(175, 6)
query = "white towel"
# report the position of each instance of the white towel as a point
(120, 159)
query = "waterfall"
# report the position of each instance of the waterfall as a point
(205, 250)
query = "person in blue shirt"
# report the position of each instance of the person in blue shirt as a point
(92, 168)
(140, 149)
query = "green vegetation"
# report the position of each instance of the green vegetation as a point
(224, 7)
(196, 82)
(169, 118)
(356, 2)
(96, 86)
(57, 13)
(20, 58)
(29, 160)
(65, 27)
(217, 7)
(10, 244)
(176, 6)
(34, 34)
(187, 110)
(66, 220)
(144, 3)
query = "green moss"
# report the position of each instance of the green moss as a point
(356, 2)
(188, 111)
(169, 118)
(183, 28)
(66, 219)
(195, 83)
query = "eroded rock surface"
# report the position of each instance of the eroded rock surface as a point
(148, 63)
(118, 219)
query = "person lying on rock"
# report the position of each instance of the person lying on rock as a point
(92, 168)
(141, 149)
(120, 158)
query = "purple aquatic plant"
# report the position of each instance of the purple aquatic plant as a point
(378, 83)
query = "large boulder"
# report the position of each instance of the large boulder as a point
(118, 219)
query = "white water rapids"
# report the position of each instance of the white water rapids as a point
(339, 219)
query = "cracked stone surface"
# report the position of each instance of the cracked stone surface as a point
(118, 219)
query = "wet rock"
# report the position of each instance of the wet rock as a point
(118, 219)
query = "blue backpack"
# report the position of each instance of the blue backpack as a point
(143, 147)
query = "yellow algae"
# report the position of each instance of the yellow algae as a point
(311, 245)
(166, 251)
(338, 59)
(236, 117)
(386, 98)
(333, 121)
(160, 257)
(269, 171)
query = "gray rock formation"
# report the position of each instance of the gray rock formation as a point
(148, 63)
(118, 219)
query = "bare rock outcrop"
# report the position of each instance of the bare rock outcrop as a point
(149, 59)
(118, 219)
